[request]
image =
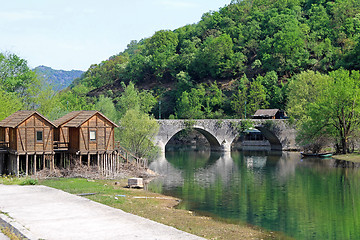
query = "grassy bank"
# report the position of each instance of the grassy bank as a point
(157, 207)
(351, 157)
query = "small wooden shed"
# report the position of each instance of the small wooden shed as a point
(269, 114)
(85, 132)
(27, 133)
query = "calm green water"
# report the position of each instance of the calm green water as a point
(304, 199)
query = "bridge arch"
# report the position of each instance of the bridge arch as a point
(212, 140)
(271, 137)
(214, 143)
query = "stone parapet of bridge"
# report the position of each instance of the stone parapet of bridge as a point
(221, 132)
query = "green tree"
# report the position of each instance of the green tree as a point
(256, 98)
(250, 97)
(303, 89)
(190, 104)
(137, 132)
(106, 106)
(214, 100)
(10, 103)
(274, 93)
(137, 128)
(216, 58)
(131, 98)
(335, 112)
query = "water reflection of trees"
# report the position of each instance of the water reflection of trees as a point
(305, 198)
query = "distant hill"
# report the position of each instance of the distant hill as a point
(60, 79)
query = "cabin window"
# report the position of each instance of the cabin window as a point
(39, 136)
(92, 135)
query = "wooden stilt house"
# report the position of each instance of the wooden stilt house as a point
(28, 138)
(85, 133)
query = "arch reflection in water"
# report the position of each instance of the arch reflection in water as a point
(205, 167)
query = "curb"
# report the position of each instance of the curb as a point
(7, 222)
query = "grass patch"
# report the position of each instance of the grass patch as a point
(352, 157)
(13, 180)
(158, 208)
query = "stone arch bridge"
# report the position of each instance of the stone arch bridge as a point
(221, 132)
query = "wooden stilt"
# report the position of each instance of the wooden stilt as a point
(52, 163)
(106, 164)
(35, 164)
(44, 163)
(80, 159)
(98, 161)
(88, 160)
(102, 163)
(27, 164)
(111, 163)
(61, 163)
(17, 165)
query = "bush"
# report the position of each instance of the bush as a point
(29, 181)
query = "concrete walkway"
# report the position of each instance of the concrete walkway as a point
(3, 237)
(41, 212)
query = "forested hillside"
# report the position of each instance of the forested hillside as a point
(297, 55)
(58, 79)
(246, 51)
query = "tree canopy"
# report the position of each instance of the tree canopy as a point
(331, 108)
(268, 43)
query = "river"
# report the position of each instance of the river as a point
(278, 191)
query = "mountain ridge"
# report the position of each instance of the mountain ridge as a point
(59, 79)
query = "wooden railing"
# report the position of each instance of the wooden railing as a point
(4, 144)
(61, 145)
(129, 157)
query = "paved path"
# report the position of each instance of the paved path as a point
(41, 212)
(3, 237)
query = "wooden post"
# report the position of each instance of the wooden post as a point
(111, 163)
(35, 164)
(106, 164)
(62, 160)
(44, 163)
(98, 161)
(88, 163)
(17, 165)
(27, 164)
(102, 164)
(52, 162)
(80, 159)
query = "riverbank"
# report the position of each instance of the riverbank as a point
(351, 157)
(158, 208)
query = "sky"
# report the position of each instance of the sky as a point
(73, 34)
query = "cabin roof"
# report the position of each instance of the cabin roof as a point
(15, 119)
(66, 118)
(266, 112)
(77, 118)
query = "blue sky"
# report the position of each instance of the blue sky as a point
(73, 34)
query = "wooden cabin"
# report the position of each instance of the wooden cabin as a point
(85, 133)
(269, 114)
(26, 133)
